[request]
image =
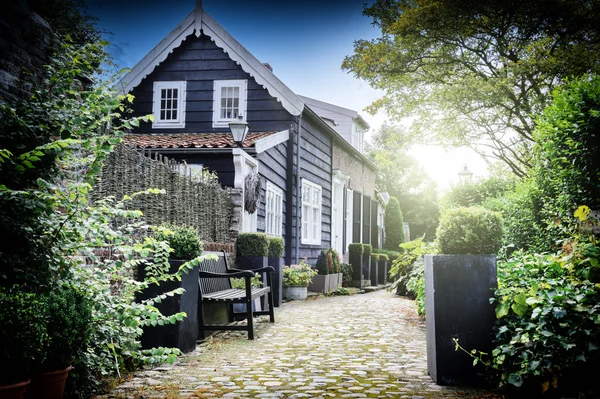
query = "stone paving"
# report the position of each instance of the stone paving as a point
(360, 346)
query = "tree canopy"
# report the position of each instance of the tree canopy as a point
(475, 72)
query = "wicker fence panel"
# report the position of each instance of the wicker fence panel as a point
(191, 199)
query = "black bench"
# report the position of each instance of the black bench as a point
(215, 286)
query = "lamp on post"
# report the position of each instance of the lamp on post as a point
(465, 175)
(238, 130)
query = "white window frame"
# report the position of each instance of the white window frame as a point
(178, 122)
(273, 210)
(349, 219)
(311, 212)
(217, 86)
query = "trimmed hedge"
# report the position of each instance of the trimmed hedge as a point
(252, 244)
(184, 241)
(375, 257)
(473, 230)
(355, 248)
(383, 257)
(367, 249)
(328, 262)
(276, 247)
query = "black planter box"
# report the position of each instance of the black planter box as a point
(182, 334)
(251, 262)
(366, 267)
(356, 263)
(277, 264)
(374, 273)
(382, 272)
(457, 293)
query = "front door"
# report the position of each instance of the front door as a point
(337, 239)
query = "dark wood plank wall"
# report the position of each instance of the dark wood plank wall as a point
(199, 62)
(315, 165)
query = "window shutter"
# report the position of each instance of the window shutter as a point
(356, 222)
(367, 220)
(374, 230)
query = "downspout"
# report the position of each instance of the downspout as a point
(289, 198)
(298, 201)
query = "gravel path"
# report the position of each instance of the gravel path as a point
(360, 346)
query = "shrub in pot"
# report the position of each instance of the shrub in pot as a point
(346, 274)
(252, 251)
(382, 268)
(355, 251)
(296, 279)
(329, 272)
(374, 269)
(276, 248)
(185, 246)
(69, 312)
(366, 268)
(23, 328)
(458, 283)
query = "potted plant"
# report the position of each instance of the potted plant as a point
(382, 269)
(252, 251)
(346, 274)
(276, 262)
(69, 329)
(329, 275)
(366, 265)
(374, 269)
(185, 246)
(296, 279)
(458, 285)
(23, 328)
(355, 251)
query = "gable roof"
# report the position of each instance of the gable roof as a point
(334, 108)
(199, 21)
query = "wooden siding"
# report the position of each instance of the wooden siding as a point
(199, 62)
(315, 166)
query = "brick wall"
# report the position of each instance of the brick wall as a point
(362, 178)
(24, 46)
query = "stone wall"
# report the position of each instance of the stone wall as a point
(25, 40)
(362, 178)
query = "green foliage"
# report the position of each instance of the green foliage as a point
(367, 249)
(346, 272)
(23, 322)
(328, 262)
(240, 283)
(184, 241)
(339, 291)
(394, 227)
(276, 247)
(375, 257)
(401, 266)
(252, 244)
(69, 329)
(355, 249)
(477, 192)
(391, 255)
(415, 286)
(474, 230)
(298, 275)
(567, 154)
(489, 66)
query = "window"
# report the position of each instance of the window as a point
(358, 137)
(311, 213)
(274, 210)
(229, 102)
(168, 106)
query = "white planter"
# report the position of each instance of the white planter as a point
(295, 293)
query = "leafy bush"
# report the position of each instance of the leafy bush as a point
(252, 244)
(394, 226)
(367, 249)
(276, 247)
(383, 257)
(328, 262)
(392, 255)
(184, 241)
(339, 291)
(401, 267)
(70, 328)
(298, 275)
(23, 323)
(474, 230)
(415, 286)
(346, 272)
(240, 283)
(374, 257)
(355, 248)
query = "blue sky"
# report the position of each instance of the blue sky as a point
(304, 41)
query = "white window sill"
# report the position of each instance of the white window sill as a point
(168, 125)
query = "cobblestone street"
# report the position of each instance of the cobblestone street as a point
(359, 346)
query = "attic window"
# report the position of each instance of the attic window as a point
(229, 102)
(168, 106)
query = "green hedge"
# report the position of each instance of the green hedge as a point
(473, 230)
(375, 257)
(328, 262)
(383, 257)
(252, 244)
(276, 247)
(394, 225)
(367, 249)
(355, 248)
(184, 241)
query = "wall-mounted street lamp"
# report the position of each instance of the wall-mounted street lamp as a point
(465, 175)
(238, 130)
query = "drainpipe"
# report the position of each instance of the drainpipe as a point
(298, 201)
(289, 198)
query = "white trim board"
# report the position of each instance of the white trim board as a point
(271, 141)
(199, 21)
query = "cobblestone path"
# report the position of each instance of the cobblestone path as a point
(359, 346)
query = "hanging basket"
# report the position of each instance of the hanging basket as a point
(251, 192)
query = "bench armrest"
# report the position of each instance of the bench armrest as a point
(269, 269)
(241, 273)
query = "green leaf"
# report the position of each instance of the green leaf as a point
(502, 310)
(519, 309)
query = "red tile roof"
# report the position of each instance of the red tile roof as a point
(192, 140)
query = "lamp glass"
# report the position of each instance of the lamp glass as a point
(239, 130)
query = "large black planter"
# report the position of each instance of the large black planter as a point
(251, 262)
(277, 264)
(182, 334)
(374, 272)
(366, 266)
(457, 293)
(356, 263)
(382, 272)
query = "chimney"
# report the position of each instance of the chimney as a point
(268, 66)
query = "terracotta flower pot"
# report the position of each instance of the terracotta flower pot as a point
(49, 385)
(14, 391)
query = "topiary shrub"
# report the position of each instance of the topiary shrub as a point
(375, 257)
(394, 225)
(383, 257)
(328, 262)
(346, 272)
(184, 241)
(355, 248)
(252, 244)
(473, 230)
(276, 247)
(367, 250)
